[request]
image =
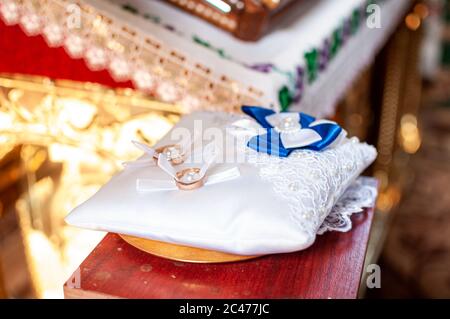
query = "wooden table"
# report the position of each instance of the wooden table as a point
(331, 268)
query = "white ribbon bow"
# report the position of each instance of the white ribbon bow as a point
(199, 175)
(292, 134)
(150, 160)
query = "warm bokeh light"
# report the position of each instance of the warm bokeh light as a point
(409, 134)
(77, 139)
(413, 21)
(422, 10)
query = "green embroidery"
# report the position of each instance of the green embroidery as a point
(285, 98)
(336, 42)
(130, 8)
(356, 21)
(154, 19)
(206, 44)
(222, 53)
(200, 41)
(312, 65)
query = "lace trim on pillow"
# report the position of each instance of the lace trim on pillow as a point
(361, 194)
(312, 182)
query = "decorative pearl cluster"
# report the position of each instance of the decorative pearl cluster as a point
(287, 124)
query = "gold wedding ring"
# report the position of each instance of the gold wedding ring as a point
(189, 179)
(173, 152)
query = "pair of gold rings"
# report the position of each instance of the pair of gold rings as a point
(186, 179)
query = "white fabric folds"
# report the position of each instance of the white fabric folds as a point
(272, 204)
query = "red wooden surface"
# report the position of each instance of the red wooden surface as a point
(331, 268)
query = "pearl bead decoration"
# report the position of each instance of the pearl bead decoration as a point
(287, 124)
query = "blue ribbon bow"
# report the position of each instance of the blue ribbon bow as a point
(296, 130)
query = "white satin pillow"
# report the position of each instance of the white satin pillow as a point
(276, 205)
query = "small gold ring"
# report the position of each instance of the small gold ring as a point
(162, 150)
(185, 186)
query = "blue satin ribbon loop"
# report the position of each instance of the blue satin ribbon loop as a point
(306, 120)
(270, 142)
(329, 132)
(259, 114)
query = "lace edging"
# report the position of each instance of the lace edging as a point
(361, 194)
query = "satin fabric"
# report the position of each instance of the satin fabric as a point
(243, 216)
(272, 144)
